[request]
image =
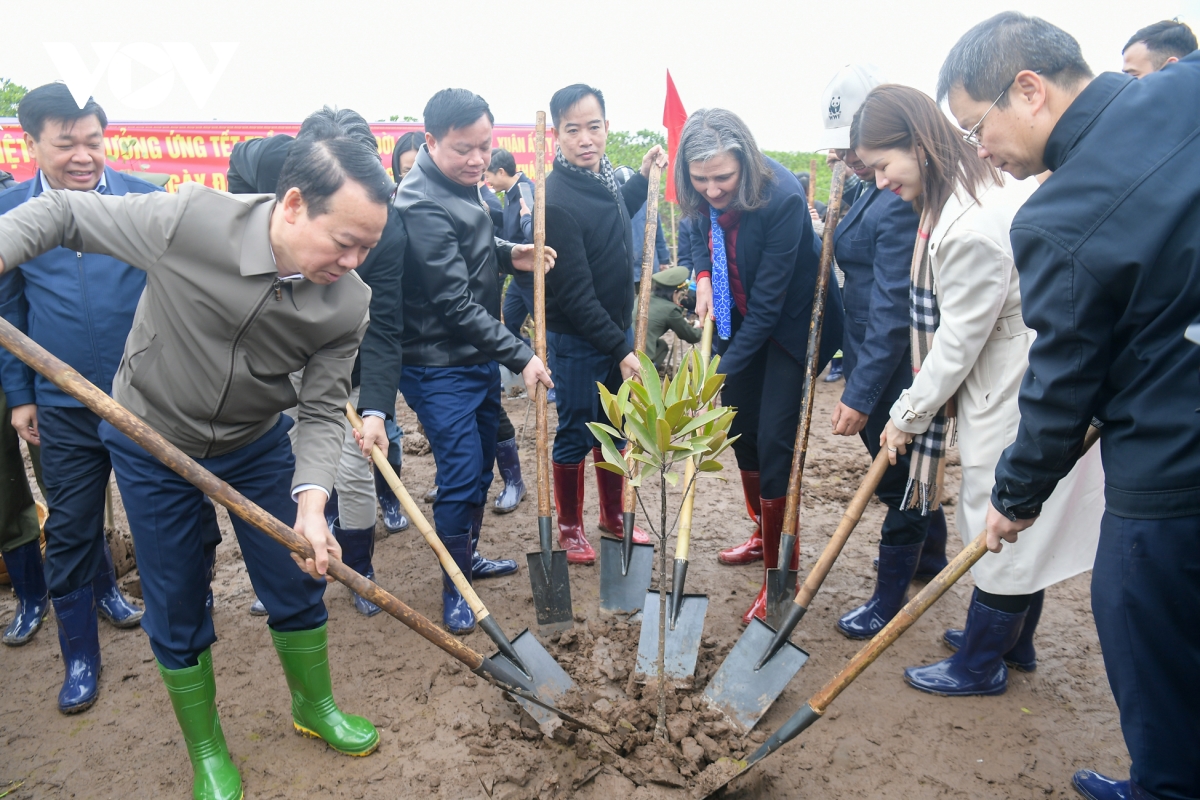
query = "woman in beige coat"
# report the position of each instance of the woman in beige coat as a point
(970, 351)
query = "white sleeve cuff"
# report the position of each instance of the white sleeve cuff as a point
(371, 412)
(907, 418)
(304, 487)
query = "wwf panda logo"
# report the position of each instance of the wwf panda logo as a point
(835, 107)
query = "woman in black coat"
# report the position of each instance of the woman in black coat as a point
(756, 271)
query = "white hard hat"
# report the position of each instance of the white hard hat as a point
(842, 98)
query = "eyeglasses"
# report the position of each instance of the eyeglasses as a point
(972, 136)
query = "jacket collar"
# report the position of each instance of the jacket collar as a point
(257, 257)
(431, 170)
(956, 206)
(111, 182)
(856, 210)
(585, 184)
(1080, 115)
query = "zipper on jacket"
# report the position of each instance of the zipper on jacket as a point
(278, 287)
(233, 350)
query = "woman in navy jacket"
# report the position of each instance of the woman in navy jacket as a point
(765, 247)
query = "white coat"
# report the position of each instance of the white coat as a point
(979, 355)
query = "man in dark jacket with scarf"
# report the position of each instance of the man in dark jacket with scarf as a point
(589, 302)
(1108, 251)
(453, 337)
(80, 307)
(254, 168)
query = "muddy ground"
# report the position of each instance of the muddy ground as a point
(447, 734)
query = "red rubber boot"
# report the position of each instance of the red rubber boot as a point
(611, 488)
(568, 502)
(750, 550)
(771, 521)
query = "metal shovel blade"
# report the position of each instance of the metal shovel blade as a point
(780, 594)
(551, 583)
(744, 695)
(623, 591)
(550, 681)
(683, 643)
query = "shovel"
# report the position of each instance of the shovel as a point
(626, 567)
(816, 706)
(548, 574)
(781, 582)
(498, 672)
(686, 623)
(549, 680)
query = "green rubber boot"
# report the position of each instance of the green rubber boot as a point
(194, 697)
(305, 660)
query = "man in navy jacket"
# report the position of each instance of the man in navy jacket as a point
(79, 307)
(1108, 251)
(874, 247)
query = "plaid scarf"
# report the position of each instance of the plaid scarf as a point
(928, 450)
(606, 175)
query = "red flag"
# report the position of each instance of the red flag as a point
(673, 118)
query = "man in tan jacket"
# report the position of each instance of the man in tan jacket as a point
(241, 292)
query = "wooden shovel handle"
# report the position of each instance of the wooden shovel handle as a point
(812, 180)
(912, 611)
(683, 539)
(539, 309)
(791, 514)
(74, 384)
(643, 317)
(414, 513)
(850, 519)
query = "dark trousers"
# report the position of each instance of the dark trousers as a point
(1145, 596)
(18, 516)
(900, 527)
(170, 520)
(767, 397)
(504, 426)
(458, 407)
(577, 367)
(75, 468)
(518, 304)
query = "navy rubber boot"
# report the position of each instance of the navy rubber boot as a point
(1095, 786)
(257, 609)
(1022, 657)
(431, 495)
(456, 614)
(486, 567)
(978, 666)
(80, 642)
(896, 568)
(835, 370)
(33, 598)
(358, 546)
(508, 461)
(110, 603)
(933, 552)
(394, 519)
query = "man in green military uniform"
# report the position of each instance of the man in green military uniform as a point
(665, 314)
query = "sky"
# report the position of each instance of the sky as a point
(268, 61)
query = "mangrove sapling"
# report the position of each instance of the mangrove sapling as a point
(665, 422)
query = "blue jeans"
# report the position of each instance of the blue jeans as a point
(458, 407)
(75, 469)
(168, 519)
(577, 367)
(1145, 595)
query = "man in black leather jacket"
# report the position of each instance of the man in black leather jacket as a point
(254, 168)
(453, 337)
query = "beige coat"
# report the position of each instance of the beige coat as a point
(215, 335)
(979, 356)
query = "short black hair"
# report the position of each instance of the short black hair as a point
(568, 96)
(454, 108)
(320, 167)
(988, 57)
(54, 101)
(1165, 39)
(329, 123)
(503, 160)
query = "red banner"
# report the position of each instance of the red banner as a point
(199, 151)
